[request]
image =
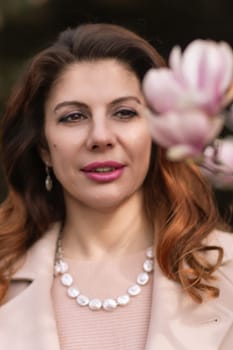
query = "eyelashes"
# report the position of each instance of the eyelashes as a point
(78, 116)
(125, 113)
(72, 117)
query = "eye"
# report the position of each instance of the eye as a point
(125, 113)
(72, 117)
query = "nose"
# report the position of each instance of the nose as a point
(100, 135)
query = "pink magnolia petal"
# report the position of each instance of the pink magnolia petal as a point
(227, 74)
(207, 69)
(191, 129)
(203, 64)
(162, 130)
(175, 59)
(161, 90)
(205, 78)
(218, 74)
(191, 60)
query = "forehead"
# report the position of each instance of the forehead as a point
(101, 77)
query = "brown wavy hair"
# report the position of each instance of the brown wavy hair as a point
(174, 193)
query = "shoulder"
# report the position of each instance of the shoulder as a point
(45, 247)
(38, 258)
(37, 262)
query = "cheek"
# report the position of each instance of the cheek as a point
(144, 154)
(143, 145)
(60, 145)
(60, 153)
(141, 154)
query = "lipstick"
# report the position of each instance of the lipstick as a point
(103, 171)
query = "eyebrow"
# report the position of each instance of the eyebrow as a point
(84, 105)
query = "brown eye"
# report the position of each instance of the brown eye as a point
(125, 113)
(72, 117)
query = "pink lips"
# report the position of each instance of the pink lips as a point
(115, 171)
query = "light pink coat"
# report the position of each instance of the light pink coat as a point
(27, 321)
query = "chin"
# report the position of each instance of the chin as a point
(113, 200)
(105, 204)
(105, 200)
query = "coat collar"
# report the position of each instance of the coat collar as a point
(176, 321)
(28, 321)
(179, 323)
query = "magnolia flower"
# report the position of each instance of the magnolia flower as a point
(187, 103)
(218, 163)
(200, 78)
(184, 134)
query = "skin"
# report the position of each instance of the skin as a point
(95, 113)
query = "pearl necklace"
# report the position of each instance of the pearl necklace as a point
(61, 269)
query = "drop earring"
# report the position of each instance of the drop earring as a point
(48, 179)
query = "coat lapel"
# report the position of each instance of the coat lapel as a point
(27, 321)
(179, 323)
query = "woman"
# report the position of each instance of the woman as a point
(91, 201)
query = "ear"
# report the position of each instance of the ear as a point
(45, 155)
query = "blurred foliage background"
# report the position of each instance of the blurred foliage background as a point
(27, 26)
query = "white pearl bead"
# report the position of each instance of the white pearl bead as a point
(123, 300)
(64, 266)
(82, 300)
(109, 304)
(134, 290)
(61, 267)
(143, 278)
(66, 279)
(150, 252)
(148, 265)
(95, 304)
(73, 292)
(57, 269)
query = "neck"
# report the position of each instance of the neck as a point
(93, 233)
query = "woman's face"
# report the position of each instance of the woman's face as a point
(98, 140)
